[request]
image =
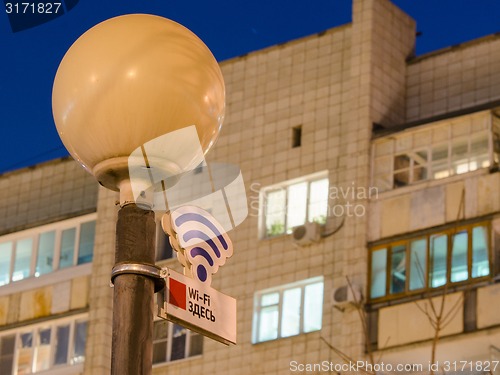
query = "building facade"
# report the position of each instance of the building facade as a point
(373, 187)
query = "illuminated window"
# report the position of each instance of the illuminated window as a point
(172, 342)
(435, 151)
(293, 203)
(288, 310)
(43, 347)
(429, 261)
(42, 250)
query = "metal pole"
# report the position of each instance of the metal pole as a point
(132, 343)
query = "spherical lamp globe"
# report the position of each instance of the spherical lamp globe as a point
(132, 79)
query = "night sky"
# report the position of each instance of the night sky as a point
(230, 28)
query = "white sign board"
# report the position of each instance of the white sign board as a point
(199, 307)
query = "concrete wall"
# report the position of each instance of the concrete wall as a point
(406, 323)
(47, 193)
(36, 303)
(269, 93)
(43, 194)
(410, 342)
(456, 78)
(434, 203)
(98, 347)
(31, 197)
(334, 85)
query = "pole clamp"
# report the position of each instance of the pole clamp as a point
(149, 270)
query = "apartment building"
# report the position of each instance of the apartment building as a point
(373, 186)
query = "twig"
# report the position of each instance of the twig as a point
(452, 312)
(362, 318)
(343, 356)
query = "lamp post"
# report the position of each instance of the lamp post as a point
(124, 82)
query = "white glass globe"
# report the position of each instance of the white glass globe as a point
(132, 79)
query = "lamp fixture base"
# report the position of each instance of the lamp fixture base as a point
(137, 179)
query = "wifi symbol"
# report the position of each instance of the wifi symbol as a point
(202, 244)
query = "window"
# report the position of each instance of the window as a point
(288, 310)
(496, 139)
(42, 250)
(291, 204)
(435, 151)
(296, 136)
(172, 342)
(431, 261)
(163, 248)
(43, 347)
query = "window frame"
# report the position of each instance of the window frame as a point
(162, 244)
(169, 340)
(34, 234)
(449, 232)
(263, 199)
(386, 149)
(52, 324)
(495, 138)
(257, 308)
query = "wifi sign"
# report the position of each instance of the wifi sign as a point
(202, 244)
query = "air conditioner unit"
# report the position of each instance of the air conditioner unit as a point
(346, 296)
(306, 234)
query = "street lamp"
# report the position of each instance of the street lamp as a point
(123, 83)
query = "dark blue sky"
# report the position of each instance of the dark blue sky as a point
(29, 58)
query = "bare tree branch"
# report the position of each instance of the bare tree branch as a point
(343, 356)
(452, 312)
(424, 311)
(381, 352)
(362, 318)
